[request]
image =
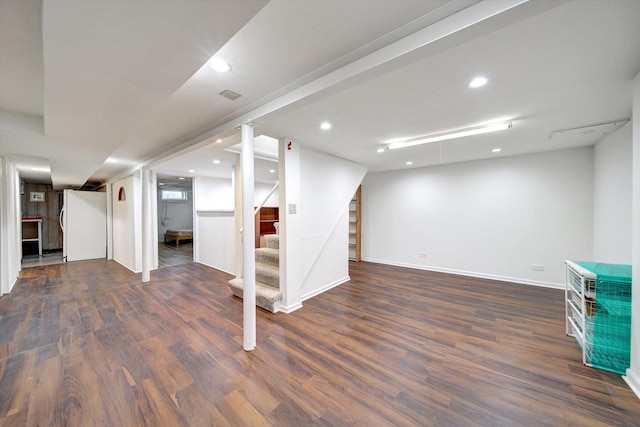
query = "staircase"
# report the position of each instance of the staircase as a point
(268, 295)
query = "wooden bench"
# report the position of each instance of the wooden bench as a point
(178, 235)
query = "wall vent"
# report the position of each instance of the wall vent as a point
(229, 94)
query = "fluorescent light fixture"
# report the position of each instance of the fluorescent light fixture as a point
(220, 65)
(325, 126)
(460, 133)
(478, 82)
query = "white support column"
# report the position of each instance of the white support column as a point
(147, 224)
(248, 249)
(237, 203)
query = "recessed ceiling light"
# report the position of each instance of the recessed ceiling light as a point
(220, 65)
(182, 177)
(478, 82)
(496, 150)
(192, 170)
(325, 126)
(380, 150)
(218, 141)
(216, 162)
(272, 171)
(409, 163)
(161, 183)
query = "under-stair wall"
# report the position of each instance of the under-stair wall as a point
(321, 205)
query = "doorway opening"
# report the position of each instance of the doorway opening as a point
(175, 220)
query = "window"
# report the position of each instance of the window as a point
(173, 195)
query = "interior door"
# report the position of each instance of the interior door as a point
(84, 220)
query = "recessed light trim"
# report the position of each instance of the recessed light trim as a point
(459, 133)
(220, 65)
(478, 82)
(325, 126)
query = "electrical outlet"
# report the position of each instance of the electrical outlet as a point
(422, 254)
(293, 209)
(537, 267)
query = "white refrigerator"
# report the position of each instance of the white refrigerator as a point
(84, 225)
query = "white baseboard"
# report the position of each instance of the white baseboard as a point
(469, 273)
(290, 309)
(633, 380)
(215, 268)
(325, 288)
(11, 286)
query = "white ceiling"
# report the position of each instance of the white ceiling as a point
(95, 89)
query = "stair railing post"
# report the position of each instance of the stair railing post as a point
(248, 242)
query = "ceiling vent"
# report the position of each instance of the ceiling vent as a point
(229, 94)
(591, 134)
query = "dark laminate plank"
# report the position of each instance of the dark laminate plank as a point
(86, 343)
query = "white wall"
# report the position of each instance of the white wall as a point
(261, 190)
(214, 224)
(127, 234)
(327, 185)
(10, 226)
(633, 373)
(491, 218)
(174, 215)
(612, 170)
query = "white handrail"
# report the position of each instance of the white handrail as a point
(275, 187)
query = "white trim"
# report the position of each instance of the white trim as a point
(291, 308)
(633, 381)
(469, 273)
(214, 267)
(325, 288)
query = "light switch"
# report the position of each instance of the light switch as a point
(293, 209)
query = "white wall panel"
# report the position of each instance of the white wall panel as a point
(612, 198)
(493, 218)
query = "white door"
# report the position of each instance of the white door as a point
(84, 220)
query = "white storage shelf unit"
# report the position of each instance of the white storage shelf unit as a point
(580, 303)
(598, 313)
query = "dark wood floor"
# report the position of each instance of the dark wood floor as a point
(170, 254)
(85, 343)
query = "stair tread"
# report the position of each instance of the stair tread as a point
(273, 269)
(270, 251)
(240, 281)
